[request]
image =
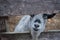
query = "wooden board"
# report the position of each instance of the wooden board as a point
(27, 36)
(54, 23)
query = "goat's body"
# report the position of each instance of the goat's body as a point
(23, 24)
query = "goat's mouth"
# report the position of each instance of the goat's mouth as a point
(35, 29)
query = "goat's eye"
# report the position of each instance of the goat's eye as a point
(37, 20)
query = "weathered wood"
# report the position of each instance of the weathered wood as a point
(27, 36)
(2, 23)
(22, 7)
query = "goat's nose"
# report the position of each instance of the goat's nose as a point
(36, 26)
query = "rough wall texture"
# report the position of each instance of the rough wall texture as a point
(57, 5)
(18, 7)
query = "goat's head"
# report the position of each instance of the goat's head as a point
(39, 21)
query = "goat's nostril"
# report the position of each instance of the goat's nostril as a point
(36, 25)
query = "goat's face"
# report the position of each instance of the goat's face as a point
(39, 21)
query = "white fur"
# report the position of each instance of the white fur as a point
(25, 24)
(35, 34)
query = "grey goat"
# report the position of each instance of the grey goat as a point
(34, 24)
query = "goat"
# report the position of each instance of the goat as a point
(35, 24)
(38, 23)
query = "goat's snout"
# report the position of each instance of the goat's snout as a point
(36, 25)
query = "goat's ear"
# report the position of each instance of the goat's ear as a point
(48, 16)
